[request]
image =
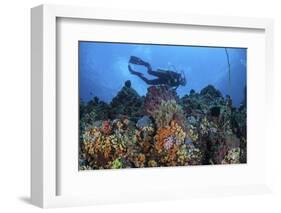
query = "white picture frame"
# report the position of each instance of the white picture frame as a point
(44, 149)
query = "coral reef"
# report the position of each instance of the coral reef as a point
(102, 150)
(161, 130)
(170, 148)
(215, 127)
(232, 156)
(166, 112)
(156, 95)
(94, 110)
(127, 103)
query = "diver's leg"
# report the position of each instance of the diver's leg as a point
(138, 61)
(158, 74)
(140, 75)
(133, 71)
(148, 81)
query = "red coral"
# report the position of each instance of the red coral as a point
(157, 94)
(106, 128)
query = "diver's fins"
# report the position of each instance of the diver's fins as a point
(137, 61)
(134, 72)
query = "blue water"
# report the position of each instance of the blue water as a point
(103, 68)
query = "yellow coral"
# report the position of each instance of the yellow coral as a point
(119, 125)
(182, 155)
(232, 156)
(152, 163)
(192, 133)
(167, 111)
(101, 149)
(178, 131)
(148, 129)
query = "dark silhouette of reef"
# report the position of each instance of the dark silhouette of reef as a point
(126, 103)
(161, 129)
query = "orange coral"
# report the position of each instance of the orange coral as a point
(160, 137)
(173, 131)
(102, 149)
(103, 146)
(169, 145)
(139, 160)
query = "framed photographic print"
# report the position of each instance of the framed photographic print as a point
(149, 106)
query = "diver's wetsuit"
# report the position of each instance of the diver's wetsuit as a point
(163, 77)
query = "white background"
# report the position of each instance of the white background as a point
(15, 105)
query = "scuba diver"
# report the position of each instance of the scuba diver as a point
(164, 77)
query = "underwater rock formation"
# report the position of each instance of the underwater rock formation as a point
(127, 103)
(95, 110)
(211, 92)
